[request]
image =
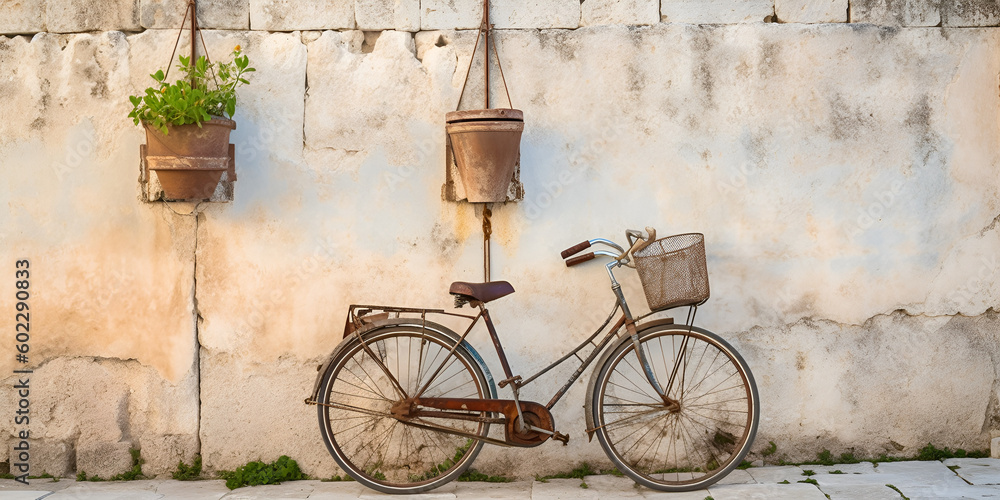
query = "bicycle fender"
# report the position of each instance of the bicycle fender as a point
(642, 329)
(412, 322)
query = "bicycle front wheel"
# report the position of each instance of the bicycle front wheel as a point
(359, 390)
(704, 429)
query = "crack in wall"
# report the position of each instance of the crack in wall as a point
(197, 342)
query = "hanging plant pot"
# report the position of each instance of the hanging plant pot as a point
(189, 160)
(487, 145)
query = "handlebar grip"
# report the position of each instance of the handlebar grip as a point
(580, 258)
(576, 248)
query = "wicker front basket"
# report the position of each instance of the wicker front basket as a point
(673, 271)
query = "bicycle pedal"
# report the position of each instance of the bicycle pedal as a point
(513, 380)
(558, 436)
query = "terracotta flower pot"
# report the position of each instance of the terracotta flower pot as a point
(487, 145)
(189, 160)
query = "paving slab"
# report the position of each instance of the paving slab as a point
(104, 492)
(858, 468)
(337, 490)
(864, 491)
(662, 495)
(46, 485)
(433, 495)
(976, 470)
(738, 476)
(939, 492)
(519, 489)
(289, 490)
(771, 475)
(794, 491)
(192, 490)
(23, 495)
(561, 489)
(928, 470)
(612, 486)
(911, 479)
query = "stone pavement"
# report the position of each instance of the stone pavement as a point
(960, 478)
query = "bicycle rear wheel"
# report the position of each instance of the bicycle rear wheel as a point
(390, 454)
(689, 446)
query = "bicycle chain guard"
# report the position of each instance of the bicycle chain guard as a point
(536, 415)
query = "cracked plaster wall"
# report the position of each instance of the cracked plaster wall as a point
(844, 176)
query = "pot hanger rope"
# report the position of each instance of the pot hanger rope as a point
(486, 27)
(191, 10)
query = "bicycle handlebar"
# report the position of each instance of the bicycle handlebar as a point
(579, 259)
(636, 240)
(575, 248)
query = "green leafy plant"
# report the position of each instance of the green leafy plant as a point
(187, 472)
(206, 89)
(135, 472)
(257, 473)
(131, 475)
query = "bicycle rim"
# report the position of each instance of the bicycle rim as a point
(375, 448)
(686, 448)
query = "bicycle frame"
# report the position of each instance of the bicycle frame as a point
(361, 315)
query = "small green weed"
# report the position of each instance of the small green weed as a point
(7, 475)
(838, 471)
(810, 481)
(577, 473)
(583, 484)
(131, 475)
(336, 478)
(187, 472)
(135, 472)
(744, 465)
(954, 467)
(258, 473)
(474, 475)
(897, 491)
(784, 482)
(770, 450)
(709, 498)
(929, 452)
(807, 472)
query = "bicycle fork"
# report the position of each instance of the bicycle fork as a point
(671, 404)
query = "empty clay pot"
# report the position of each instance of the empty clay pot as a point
(487, 145)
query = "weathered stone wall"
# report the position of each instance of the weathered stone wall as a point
(844, 176)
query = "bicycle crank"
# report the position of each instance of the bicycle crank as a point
(538, 417)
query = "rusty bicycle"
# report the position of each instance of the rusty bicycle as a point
(405, 404)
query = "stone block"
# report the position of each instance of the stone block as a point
(962, 13)
(289, 15)
(995, 447)
(22, 17)
(212, 14)
(104, 459)
(53, 457)
(540, 14)
(811, 11)
(467, 14)
(402, 15)
(716, 11)
(889, 13)
(74, 16)
(450, 14)
(632, 12)
(161, 453)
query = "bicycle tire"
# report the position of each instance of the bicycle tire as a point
(373, 447)
(690, 447)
